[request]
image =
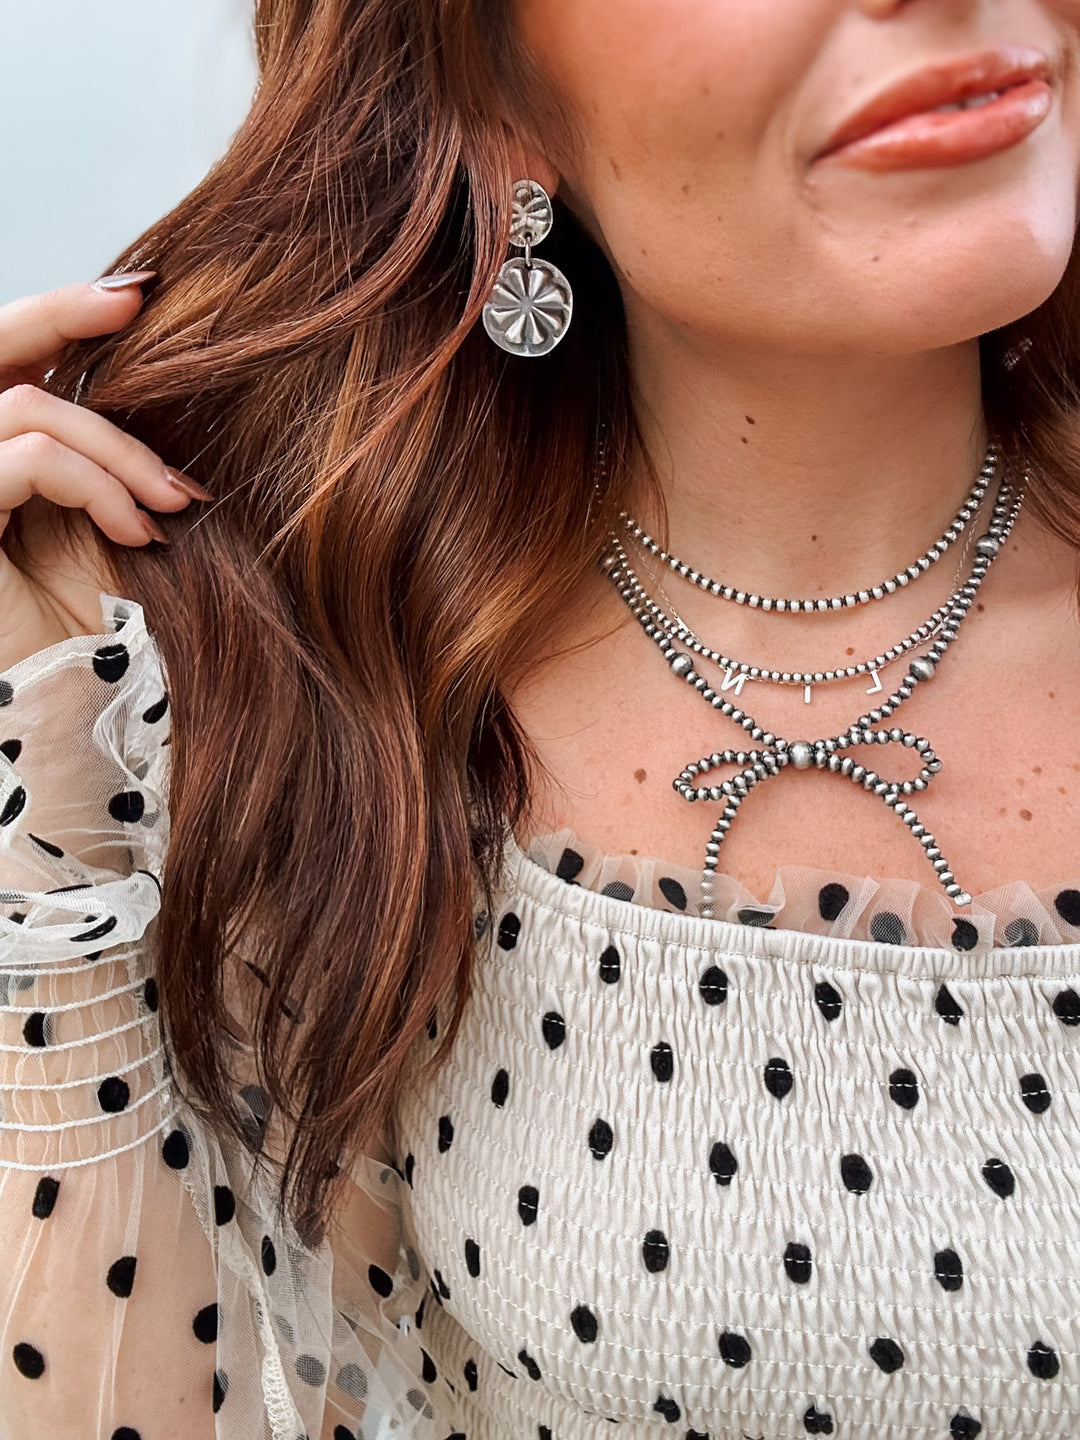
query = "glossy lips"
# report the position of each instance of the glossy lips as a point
(1008, 96)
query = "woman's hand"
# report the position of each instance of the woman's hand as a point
(69, 456)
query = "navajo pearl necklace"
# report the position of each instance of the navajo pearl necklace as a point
(776, 753)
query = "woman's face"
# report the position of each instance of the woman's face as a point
(699, 166)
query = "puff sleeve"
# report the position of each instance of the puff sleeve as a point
(148, 1288)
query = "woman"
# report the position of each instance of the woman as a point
(347, 834)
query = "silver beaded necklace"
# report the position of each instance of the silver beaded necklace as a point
(775, 753)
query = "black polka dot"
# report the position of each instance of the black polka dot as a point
(734, 1348)
(760, 918)
(113, 1094)
(713, 985)
(29, 1361)
(999, 1177)
(798, 1263)
(618, 890)
(672, 892)
(570, 865)
(127, 806)
(224, 1204)
(380, 1281)
(543, 1432)
(532, 1369)
(696, 1435)
(446, 1133)
(221, 1389)
(310, 1369)
(1067, 904)
(410, 1166)
(121, 1276)
(1034, 1093)
(470, 1373)
(509, 930)
(11, 749)
(600, 1138)
(1042, 1360)
(13, 806)
(610, 968)
(268, 1255)
(7, 692)
(37, 1029)
(778, 1077)
(110, 662)
(947, 1006)
(888, 928)
(948, 1269)
(45, 1197)
(153, 713)
(828, 999)
(56, 851)
(1021, 932)
(205, 1324)
(667, 1407)
(500, 1088)
(472, 1257)
(174, 1150)
(662, 1060)
(528, 1203)
(428, 1370)
(856, 1174)
(655, 1251)
(1067, 1004)
(886, 1354)
(150, 993)
(585, 1324)
(965, 936)
(904, 1089)
(442, 1290)
(554, 1027)
(125, 1432)
(831, 900)
(722, 1163)
(817, 1422)
(964, 1427)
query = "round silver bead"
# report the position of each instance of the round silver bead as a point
(921, 668)
(801, 754)
(682, 664)
(987, 545)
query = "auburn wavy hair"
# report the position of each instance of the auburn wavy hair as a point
(400, 509)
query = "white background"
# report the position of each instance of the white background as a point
(110, 112)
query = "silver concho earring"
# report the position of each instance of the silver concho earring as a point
(531, 303)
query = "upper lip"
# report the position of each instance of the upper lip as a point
(941, 83)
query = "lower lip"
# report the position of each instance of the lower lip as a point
(957, 137)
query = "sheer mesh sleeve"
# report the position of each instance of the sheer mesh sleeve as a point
(148, 1289)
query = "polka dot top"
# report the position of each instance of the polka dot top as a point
(809, 1168)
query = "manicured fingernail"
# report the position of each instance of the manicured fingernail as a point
(121, 281)
(189, 486)
(155, 530)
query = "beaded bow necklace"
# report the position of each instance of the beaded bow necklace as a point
(775, 753)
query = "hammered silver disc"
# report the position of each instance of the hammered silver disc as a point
(531, 216)
(530, 308)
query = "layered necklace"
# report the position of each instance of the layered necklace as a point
(774, 753)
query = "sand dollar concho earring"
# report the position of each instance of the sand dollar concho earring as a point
(531, 303)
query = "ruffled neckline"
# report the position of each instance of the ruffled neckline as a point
(823, 902)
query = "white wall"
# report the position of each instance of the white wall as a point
(110, 112)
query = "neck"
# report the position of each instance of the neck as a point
(804, 474)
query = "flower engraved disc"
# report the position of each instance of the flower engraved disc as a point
(531, 217)
(530, 307)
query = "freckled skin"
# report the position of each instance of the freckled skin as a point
(824, 310)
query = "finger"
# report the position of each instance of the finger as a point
(35, 327)
(37, 464)
(25, 408)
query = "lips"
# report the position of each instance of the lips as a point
(946, 100)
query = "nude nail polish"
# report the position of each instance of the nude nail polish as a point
(123, 280)
(155, 530)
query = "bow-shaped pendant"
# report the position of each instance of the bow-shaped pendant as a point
(762, 764)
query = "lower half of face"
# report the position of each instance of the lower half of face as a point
(825, 175)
